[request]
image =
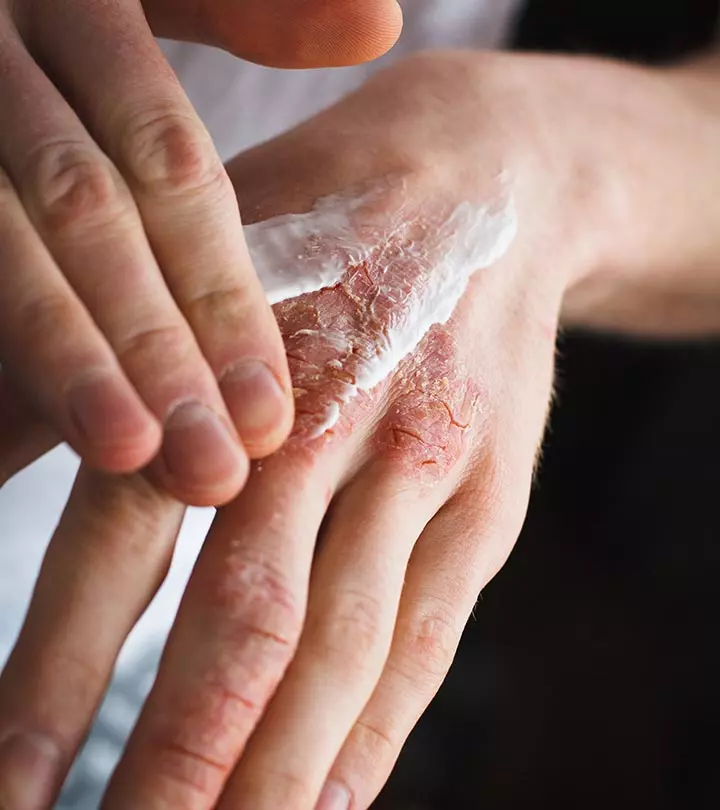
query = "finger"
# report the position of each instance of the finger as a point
(138, 112)
(47, 338)
(59, 358)
(459, 552)
(355, 590)
(285, 33)
(85, 215)
(24, 437)
(105, 562)
(234, 636)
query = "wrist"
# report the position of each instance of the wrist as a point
(656, 268)
(698, 79)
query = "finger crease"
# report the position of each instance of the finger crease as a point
(378, 733)
(201, 758)
(235, 697)
(256, 631)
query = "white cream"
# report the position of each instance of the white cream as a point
(301, 253)
(290, 252)
(471, 239)
(329, 420)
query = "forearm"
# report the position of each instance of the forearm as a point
(658, 269)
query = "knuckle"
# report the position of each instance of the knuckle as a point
(48, 318)
(144, 513)
(188, 771)
(254, 599)
(82, 669)
(423, 433)
(290, 789)
(378, 743)
(168, 152)
(430, 641)
(141, 349)
(225, 309)
(494, 497)
(351, 633)
(73, 190)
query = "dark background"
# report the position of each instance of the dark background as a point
(589, 677)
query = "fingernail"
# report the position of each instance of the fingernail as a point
(255, 399)
(29, 772)
(105, 410)
(198, 448)
(334, 797)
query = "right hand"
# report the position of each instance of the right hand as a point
(131, 319)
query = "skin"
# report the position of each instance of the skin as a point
(330, 596)
(105, 165)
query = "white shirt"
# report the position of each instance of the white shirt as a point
(244, 104)
(241, 104)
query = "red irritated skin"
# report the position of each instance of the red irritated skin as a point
(420, 414)
(436, 412)
(418, 406)
(328, 600)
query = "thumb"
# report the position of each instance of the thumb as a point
(283, 33)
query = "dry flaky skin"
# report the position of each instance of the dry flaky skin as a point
(437, 407)
(421, 413)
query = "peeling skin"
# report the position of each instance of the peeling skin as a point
(435, 410)
(377, 346)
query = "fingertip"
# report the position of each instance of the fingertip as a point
(260, 404)
(209, 497)
(201, 462)
(123, 457)
(113, 430)
(363, 33)
(314, 34)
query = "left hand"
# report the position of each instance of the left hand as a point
(314, 660)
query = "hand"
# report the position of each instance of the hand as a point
(441, 450)
(130, 314)
(313, 659)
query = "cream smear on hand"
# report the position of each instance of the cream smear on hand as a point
(302, 253)
(422, 266)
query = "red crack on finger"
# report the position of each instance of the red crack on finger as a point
(453, 421)
(398, 431)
